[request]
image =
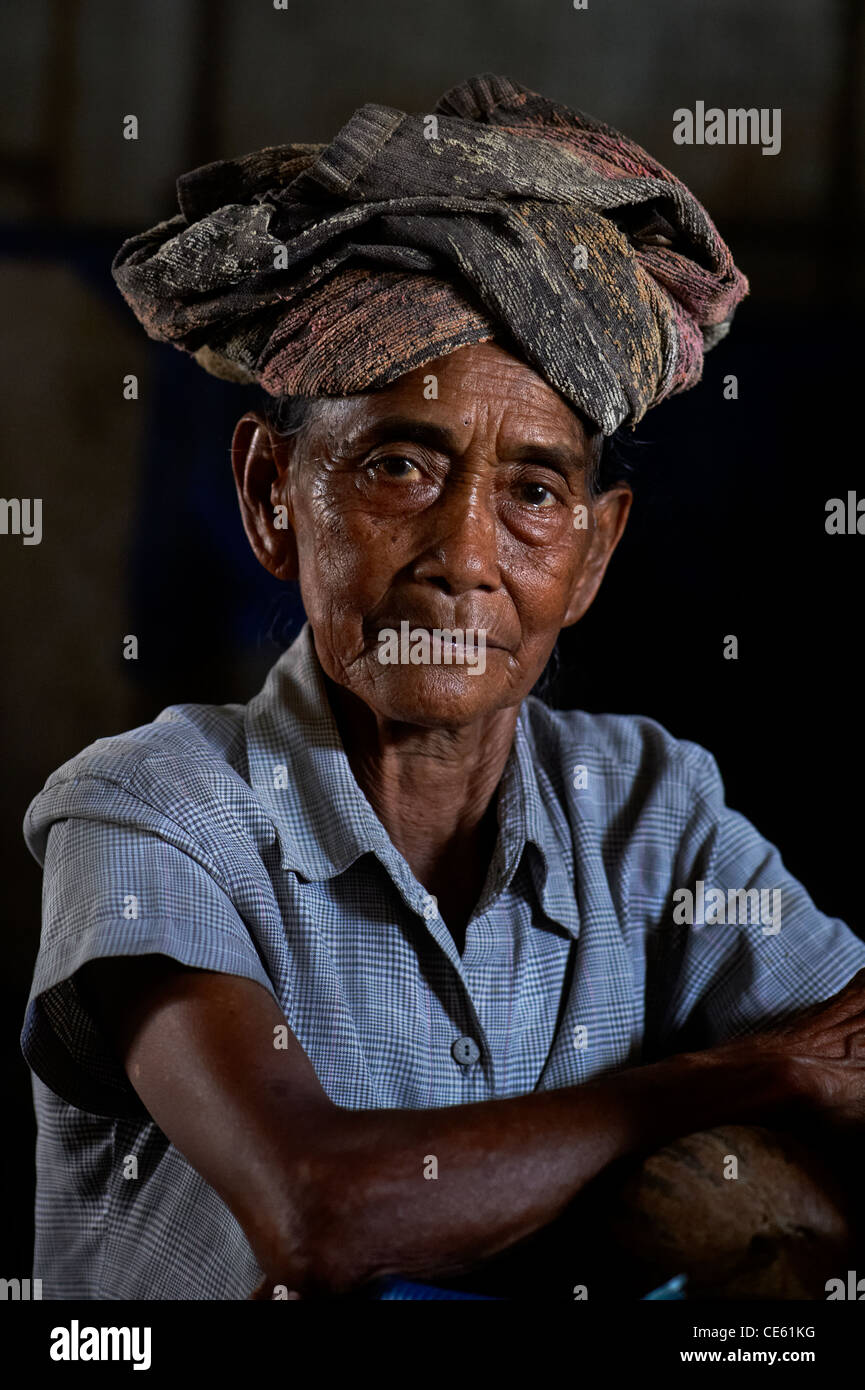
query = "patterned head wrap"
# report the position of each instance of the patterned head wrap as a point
(328, 270)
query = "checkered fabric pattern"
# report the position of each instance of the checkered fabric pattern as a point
(235, 838)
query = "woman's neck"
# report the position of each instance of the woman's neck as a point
(434, 792)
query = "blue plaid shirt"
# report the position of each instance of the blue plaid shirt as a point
(236, 838)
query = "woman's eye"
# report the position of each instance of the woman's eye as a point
(394, 466)
(537, 495)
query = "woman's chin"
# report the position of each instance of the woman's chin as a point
(436, 696)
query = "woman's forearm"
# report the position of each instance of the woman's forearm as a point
(502, 1169)
(331, 1198)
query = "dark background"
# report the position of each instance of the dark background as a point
(140, 526)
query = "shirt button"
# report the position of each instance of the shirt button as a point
(465, 1051)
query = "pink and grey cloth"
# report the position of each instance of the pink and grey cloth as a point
(321, 270)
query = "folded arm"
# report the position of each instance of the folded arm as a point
(331, 1198)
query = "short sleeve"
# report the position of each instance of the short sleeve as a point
(113, 890)
(758, 949)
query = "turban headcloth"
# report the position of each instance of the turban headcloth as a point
(322, 270)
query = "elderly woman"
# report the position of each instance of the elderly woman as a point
(374, 975)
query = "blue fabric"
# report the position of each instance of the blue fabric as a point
(235, 838)
(674, 1288)
(392, 1289)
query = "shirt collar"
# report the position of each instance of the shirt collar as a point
(531, 814)
(300, 771)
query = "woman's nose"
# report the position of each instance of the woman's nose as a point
(462, 549)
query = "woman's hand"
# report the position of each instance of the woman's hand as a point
(822, 1051)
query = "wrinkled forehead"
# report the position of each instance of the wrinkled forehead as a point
(477, 390)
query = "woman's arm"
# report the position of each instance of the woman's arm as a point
(330, 1198)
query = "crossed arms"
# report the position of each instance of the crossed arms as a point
(330, 1199)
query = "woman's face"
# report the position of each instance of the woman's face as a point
(450, 499)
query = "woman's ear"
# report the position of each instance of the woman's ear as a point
(259, 461)
(609, 515)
